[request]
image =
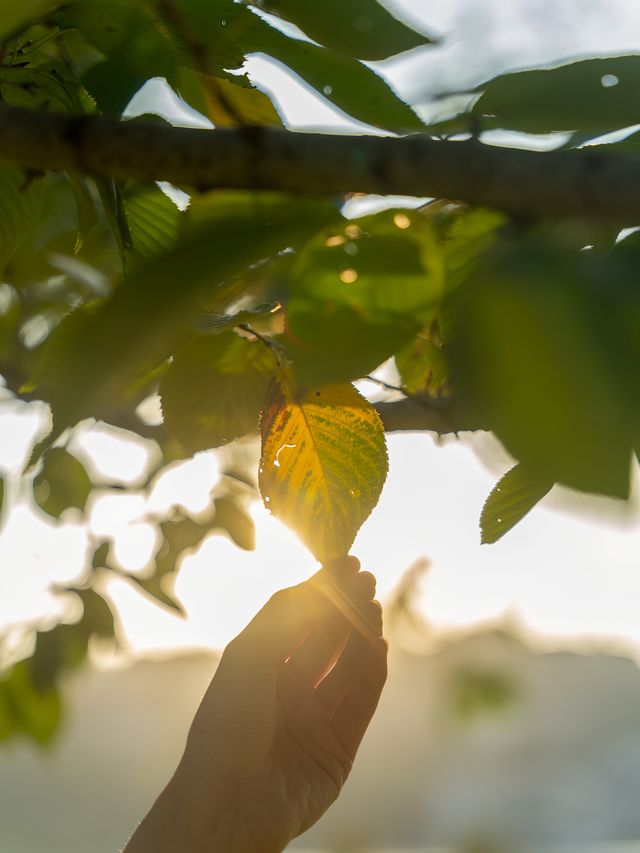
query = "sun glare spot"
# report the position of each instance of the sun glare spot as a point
(187, 484)
(276, 461)
(335, 240)
(111, 513)
(402, 221)
(113, 456)
(134, 546)
(348, 276)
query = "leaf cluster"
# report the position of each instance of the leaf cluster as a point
(254, 312)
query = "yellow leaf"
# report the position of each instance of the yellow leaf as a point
(323, 465)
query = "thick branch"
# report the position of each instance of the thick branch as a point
(564, 183)
(410, 415)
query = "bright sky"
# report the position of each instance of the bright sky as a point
(562, 574)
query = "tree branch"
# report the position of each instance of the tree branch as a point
(562, 183)
(411, 415)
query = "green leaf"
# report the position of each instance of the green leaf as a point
(15, 16)
(128, 32)
(512, 498)
(612, 284)
(348, 84)
(323, 463)
(153, 220)
(357, 296)
(213, 391)
(49, 86)
(360, 28)
(55, 231)
(532, 359)
(61, 484)
(97, 619)
(24, 709)
(210, 35)
(216, 35)
(111, 86)
(21, 203)
(594, 95)
(64, 647)
(160, 589)
(422, 366)
(100, 557)
(233, 518)
(230, 231)
(180, 535)
(334, 343)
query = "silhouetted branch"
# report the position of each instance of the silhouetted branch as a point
(563, 183)
(411, 415)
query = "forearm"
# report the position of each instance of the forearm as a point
(190, 817)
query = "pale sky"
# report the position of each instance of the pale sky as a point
(563, 574)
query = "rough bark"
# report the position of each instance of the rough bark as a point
(561, 183)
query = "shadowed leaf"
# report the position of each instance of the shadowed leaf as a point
(422, 366)
(232, 517)
(348, 84)
(373, 284)
(61, 484)
(594, 95)
(361, 28)
(21, 202)
(532, 357)
(214, 388)
(15, 16)
(229, 104)
(153, 220)
(100, 556)
(128, 32)
(154, 309)
(26, 710)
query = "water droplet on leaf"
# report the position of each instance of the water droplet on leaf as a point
(608, 81)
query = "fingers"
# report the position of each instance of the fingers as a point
(333, 688)
(342, 566)
(310, 623)
(351, 691)
(320, 649)
(349, 597)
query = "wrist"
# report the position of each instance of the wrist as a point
(198, 813)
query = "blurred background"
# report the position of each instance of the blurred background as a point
(511, 720)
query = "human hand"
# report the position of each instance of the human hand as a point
(277, 731)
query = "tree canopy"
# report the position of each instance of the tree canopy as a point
(506, 301)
